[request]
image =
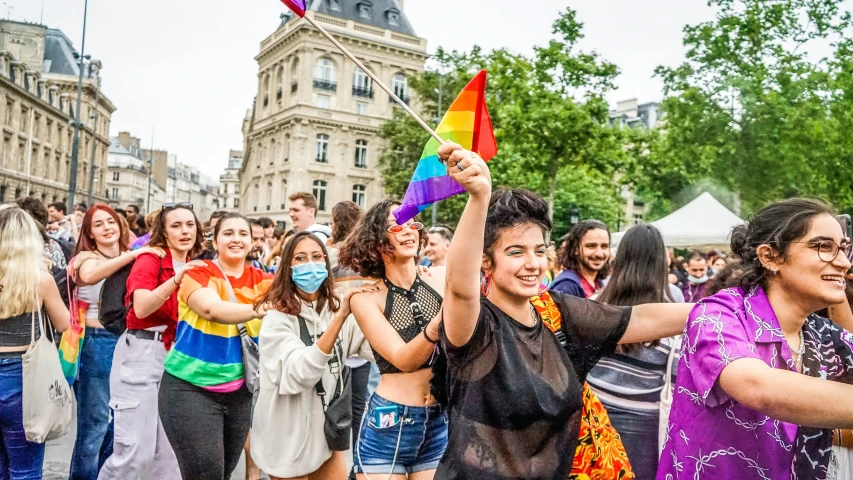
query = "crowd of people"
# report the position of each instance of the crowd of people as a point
(372, 349)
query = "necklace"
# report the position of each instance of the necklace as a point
(533, 315)
(800, 352)
(104, 254)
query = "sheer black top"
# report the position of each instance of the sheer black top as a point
(515, 392)
(409, 312)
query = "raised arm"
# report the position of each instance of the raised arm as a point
(656, 320)
(464, 260)
(788, 396)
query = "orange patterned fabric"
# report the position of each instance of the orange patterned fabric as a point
(600, 454)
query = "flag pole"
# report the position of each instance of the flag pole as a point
(375, 79)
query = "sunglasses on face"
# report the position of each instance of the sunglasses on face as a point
(172, 206)
(399, 228)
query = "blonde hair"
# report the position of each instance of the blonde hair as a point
(21, 261)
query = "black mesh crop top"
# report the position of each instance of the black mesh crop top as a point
(400, 311)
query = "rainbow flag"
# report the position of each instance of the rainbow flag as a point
(467, 123)
(298, 6)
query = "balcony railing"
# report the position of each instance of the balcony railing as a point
(362, 92)
(405, 98)
(326, 85)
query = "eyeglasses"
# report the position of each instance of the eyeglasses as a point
(172, 206)
(302, 259)
(827, 250)
(399, 228)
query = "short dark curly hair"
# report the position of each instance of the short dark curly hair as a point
(512, 207)
(363, 249)
(35, 208)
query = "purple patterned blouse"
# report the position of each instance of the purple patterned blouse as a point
(710, 435)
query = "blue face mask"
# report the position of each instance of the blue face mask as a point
(310, 276)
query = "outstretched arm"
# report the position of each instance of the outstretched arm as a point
(464, 260)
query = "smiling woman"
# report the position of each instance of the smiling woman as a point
(755, 354)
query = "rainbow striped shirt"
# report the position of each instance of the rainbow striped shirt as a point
(206, 353)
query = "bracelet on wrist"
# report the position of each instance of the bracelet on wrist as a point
(175, 279)
(427, 336)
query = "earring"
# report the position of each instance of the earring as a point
(486, 285)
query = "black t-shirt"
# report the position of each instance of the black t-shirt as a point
(515, 393)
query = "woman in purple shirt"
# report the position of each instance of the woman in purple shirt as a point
(752, 400)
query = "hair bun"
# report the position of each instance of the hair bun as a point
(738, 242)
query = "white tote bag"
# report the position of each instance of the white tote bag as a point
(666, 394)
(47, 400)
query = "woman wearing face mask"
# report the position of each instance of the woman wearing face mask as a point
(515, 392)
(403, 432)
(140, 441)
(752, 400)
(287, 429)
(101, 251)
(204, 406)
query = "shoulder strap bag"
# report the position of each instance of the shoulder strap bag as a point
(251, 351)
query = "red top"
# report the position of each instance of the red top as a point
(144, 275)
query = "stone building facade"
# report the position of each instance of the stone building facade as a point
(128, 178)
(38, 93)
(229, 182)
(314, 126)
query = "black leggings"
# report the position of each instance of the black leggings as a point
(207, 430)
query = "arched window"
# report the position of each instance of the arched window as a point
(283, 193)
(325, 74)
(280, 92)
(322, 154)
(393, 16)
(269, 194)
(335, 5)
(319, 191)
(362, 85)
(294, 75)
(273, 151)
(265, 93)
(400, 86)
(359, 195)
(361, 153)
(256, 197)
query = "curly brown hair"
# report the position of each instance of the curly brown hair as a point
(344, 217)
(363, 250)
(283, 294)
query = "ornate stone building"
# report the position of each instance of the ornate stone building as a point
(38, 88)
(314, 126)
(229, 182)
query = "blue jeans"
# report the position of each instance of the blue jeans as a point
(19, 459)
(639, 432)
(410, 440)
(94, 442)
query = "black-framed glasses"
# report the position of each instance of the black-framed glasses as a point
(827, 250)
(399, 228)
(302, 259)
(172, 206)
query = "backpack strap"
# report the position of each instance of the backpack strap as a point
(308, 341)
(550, 314)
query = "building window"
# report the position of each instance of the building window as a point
(283, 194)
(359, 195)
(400, 86)
(294, 76)
(323, 101)
(236, 203)
(361, 153)
(360, 108)
(393, 19)
(115, 176)
(322, 154)
(2, 193)
(114, 193)
(325, 75)
(364, 11)
(362, 85)
(335, 5)
(319, 191)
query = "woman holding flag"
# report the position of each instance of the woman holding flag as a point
(498, 349)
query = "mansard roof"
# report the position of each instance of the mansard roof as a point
(381, 12)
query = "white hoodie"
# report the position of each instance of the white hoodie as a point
(287, 426)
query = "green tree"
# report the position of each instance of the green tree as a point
(748, 109)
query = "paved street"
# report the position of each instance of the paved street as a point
(57, 459)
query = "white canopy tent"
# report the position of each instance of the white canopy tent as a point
(704, 222)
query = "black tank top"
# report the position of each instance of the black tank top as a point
(16, 331)
(409, 312)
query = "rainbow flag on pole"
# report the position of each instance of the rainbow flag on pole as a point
(467, 123)
(298, 6)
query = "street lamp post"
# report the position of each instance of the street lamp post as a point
(75, 146)
(94, 117)
(574, 215)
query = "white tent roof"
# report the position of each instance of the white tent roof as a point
(702, 222)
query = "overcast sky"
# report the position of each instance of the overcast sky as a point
(185, 68)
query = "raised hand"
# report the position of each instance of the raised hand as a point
(365, 288)
(467, 168)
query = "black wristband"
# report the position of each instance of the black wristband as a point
(427, 336)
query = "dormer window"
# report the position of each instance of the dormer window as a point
(393, 16)
(365, 9)
(335, 5)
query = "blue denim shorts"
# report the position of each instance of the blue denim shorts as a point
(400, 439)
